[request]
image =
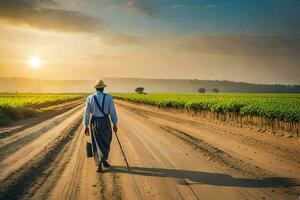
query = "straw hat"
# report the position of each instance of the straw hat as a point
(100, 84)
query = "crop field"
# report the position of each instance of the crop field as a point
(273, 107)
(165, 153)
(18, 106)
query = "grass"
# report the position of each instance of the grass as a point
(285, 107)
(20, 106)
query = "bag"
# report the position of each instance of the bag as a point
(89, 151)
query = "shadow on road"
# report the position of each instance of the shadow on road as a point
(187, 177)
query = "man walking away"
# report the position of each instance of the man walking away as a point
(100, 106)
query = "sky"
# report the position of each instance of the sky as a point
(250, 40)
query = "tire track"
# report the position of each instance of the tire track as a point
(215, 154)
(27, 123)
(231, 163)
(14, 143)
(262, 151)
(108, 181)
(143, 152)
(247, 179)
(17, 184)
(55, 174)
(270, 147)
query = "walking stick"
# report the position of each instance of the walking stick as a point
(122, 151)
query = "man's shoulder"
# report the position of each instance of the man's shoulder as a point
(90, 96)
(108, 96)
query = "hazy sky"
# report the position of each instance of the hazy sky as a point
(248, 40)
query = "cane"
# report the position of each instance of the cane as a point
(122, 151)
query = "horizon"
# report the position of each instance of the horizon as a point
(160, 79)
(254, 41)
(194, 99)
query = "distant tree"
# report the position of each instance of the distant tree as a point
(202, 90)
(215, 90)
(139, 90)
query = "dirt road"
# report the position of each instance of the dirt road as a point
(171, 156)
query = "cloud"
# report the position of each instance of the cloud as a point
(138, 7)
(10, 51)
(210, 6)
(122, 40)
(176, 6)
(44, 15)
(33, 14)
(101, 57)
(253, 45)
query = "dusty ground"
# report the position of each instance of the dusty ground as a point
(171, 156)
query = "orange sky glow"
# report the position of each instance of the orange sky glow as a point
(74, 41)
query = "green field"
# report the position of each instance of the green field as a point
(19, 106)
(285, 107)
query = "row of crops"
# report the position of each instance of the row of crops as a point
(285, 107)
(18, 106)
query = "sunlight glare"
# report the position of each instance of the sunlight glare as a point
(35, 62)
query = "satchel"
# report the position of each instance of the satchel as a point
(89, 151)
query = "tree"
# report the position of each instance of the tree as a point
(139, 90)
(215, 90)
(202, 90)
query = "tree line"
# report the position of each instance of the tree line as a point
(140, 90)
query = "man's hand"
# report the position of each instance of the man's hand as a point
(115, 128)
(87, 131)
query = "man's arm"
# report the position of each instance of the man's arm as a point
(86, 117)
(113, 115)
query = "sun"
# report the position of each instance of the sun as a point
(35, 62)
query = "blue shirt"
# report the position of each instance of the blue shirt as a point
(108, 108)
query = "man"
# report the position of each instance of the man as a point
(100, 106)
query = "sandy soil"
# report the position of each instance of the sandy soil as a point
(171, 156)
